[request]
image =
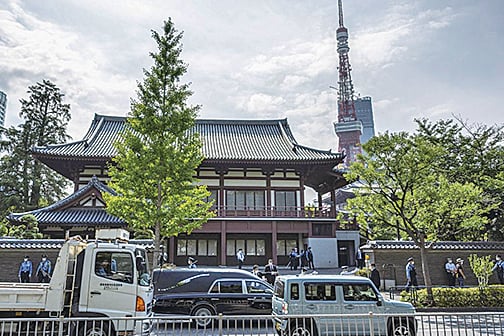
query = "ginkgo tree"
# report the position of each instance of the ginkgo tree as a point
(159, 151)
(403, 188)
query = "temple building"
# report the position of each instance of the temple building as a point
(257, 174)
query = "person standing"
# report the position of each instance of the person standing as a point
(191, 262)
(44, 270)
(499, 268)
(303, 259)
(270, 271)
(459, 272)
(411, 275)
(375, 276)
(294, 259)
(25, 270)
(256, 272)
(240, 256)
(451, 270)
(359, 259)
(309, 256)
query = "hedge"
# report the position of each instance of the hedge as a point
(452, 297)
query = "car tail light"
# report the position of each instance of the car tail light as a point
(285, 308)
(140, 304)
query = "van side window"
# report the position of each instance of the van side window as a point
(294, 291)
(359, 292)
(320, 291)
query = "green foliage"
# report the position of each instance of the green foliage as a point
(26, 183)
(26, 229)
(474, 154)
(482, 268)
(492, 296)
(402, 188)
(153, 172)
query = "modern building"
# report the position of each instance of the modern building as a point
(364, 112)
(3, 107)
(257, 174)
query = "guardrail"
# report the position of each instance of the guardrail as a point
(419, 324)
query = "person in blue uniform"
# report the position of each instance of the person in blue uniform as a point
(25, 270)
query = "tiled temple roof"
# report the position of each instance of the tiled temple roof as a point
(48, 244)
(442, 245)
(62, 212)
(245, 140)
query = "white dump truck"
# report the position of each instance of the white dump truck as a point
(106, 279)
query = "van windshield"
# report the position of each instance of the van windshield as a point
(279, 288)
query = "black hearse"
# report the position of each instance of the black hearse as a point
(210, 291)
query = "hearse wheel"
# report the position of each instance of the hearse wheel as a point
(203, 313)
(302, 328)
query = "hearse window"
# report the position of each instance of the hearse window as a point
(294, 291)
(228, 286)
(256, 287)
(359, 292)
(320, 291)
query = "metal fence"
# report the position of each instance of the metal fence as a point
(420, 324)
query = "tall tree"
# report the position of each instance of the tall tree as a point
(474, 153)
(26, 183)
(404, 188)
(153, 172)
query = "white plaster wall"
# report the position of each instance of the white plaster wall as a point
(324, 252)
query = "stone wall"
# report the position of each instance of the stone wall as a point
(392, 263)
(10, 260)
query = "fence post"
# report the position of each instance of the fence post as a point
(61, 325)
(371, 324)
(220, 324)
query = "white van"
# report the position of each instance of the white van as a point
(309, 305)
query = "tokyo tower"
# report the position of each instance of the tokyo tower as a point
(348, 128)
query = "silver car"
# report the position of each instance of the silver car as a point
(306, 305)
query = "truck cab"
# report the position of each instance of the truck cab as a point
(106, 278)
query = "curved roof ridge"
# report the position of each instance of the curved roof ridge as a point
(94, 182)
(95, 131)
(240, 121)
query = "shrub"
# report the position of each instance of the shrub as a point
(491, 296)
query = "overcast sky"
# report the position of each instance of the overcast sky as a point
(264, 59)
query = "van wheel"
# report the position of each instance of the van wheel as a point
(401, 327)
(302, 328)
(203, 313)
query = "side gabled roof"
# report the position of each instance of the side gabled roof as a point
(442, 245)
(242, 140)
(68, 211)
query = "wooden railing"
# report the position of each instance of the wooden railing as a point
(282, 212)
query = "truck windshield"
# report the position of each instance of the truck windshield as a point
(142, 266)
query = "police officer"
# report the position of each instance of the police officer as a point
(25, 270)
(44, 269)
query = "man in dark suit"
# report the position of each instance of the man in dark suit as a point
(375, 276)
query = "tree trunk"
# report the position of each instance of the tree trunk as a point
(157, 241)
(425, 270)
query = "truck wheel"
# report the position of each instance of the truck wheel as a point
(302, 328)
(92, 328)
(203, 313)
(401, 327)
